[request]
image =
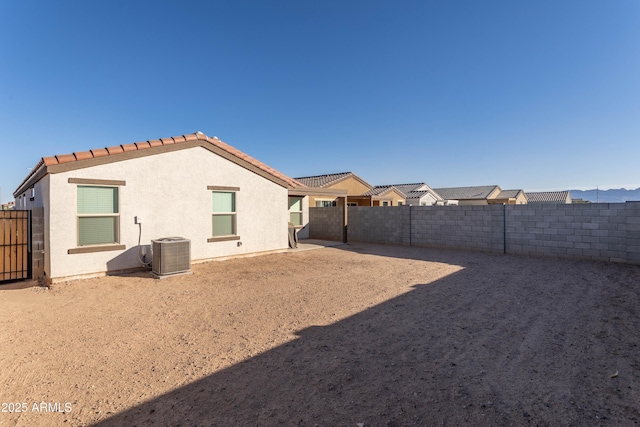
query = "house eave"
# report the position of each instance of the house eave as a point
(43, 169)
(315, 191)
(39, 172)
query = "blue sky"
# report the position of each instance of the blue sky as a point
(538, 95)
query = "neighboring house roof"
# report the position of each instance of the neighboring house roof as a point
(509, 194)
(549, 197)
(120, 152)
(381, 190)
(416, 190)
(408, 188)
(467, 193)
(418, 194)
(330, 179)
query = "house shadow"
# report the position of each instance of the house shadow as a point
(122, 263)
(456, 351)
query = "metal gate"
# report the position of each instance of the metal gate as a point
(15, 245)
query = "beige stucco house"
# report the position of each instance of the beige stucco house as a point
(357, 190)
(483, 195)
(418, 194)
(510, 197)
(100, 203)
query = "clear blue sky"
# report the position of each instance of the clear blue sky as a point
(538, 95)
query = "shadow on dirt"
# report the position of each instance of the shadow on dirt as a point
(482, 346)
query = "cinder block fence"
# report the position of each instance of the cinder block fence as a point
(598, 231)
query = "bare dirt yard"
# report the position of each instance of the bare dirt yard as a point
(357, 334)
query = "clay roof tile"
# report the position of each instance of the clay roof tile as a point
(48, 161)
(99, 152)
(115, 149)
(65, 158)
(83, 155)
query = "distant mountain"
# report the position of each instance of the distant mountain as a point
(619, 195)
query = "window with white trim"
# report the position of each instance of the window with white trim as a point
(295, 211)
(325, 203)
(224, 214)
(98, 215)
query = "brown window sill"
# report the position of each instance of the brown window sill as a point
(91, 249)
(222, 239)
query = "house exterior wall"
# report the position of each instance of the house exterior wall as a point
(427, 199)
(521, 199)
(172, 201)
(396, 197)
(352, 185)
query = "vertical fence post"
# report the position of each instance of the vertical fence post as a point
(504, 228)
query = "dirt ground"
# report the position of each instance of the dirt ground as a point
(358, 334)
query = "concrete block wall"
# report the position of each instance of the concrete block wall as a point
(326, 223)
(631, 229)
(37, 244)
(380, 224)
(469, 227)
(598, 231)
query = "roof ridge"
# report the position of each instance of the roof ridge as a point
(324, 174)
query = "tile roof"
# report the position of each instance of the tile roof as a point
(508, 194)
(380, 190)
(324, 180)
(138, 146)
(415, 190)
(549, 197)
(408, 188)
(466, 193)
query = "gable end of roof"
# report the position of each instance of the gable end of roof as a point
(78, 160)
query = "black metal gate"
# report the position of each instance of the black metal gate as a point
(15, 245)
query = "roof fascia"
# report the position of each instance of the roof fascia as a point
(32, 179)
(313, 191)
(127, 155)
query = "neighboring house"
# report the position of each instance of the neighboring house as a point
(8, 206)
(358, 191)
(479, 195)
(383, 195)
(99, 204)
(483, 195)
(510, 197)
(549, 197)
(419, 194)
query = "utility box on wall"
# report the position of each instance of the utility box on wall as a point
(171, 256)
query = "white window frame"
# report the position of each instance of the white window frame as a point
(301, 211)
(115, 216)
(223, 189)
(98, 247)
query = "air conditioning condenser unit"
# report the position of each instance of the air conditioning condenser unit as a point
(171, 256)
